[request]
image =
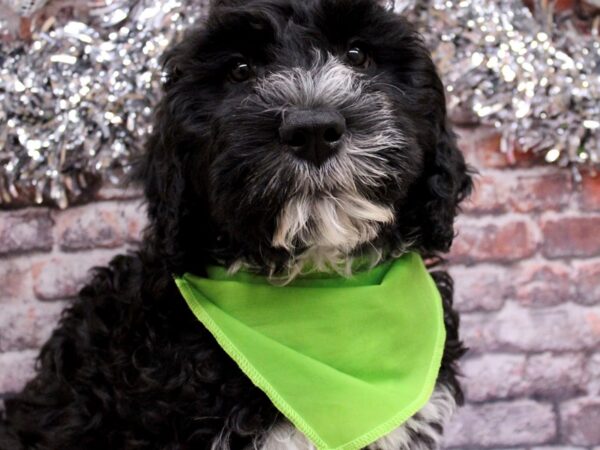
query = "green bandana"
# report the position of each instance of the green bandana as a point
(345, 360)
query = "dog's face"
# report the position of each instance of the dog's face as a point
(301, 127)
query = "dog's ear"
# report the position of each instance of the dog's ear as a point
(426, 218)
(170, 170)
(171, 173)
(446, 182)
(161, 174)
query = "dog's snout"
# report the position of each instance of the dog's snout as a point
(312, 135)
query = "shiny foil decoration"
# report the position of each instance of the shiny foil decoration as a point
(533, 75)
(76, 102)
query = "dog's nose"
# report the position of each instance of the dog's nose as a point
(312, 135)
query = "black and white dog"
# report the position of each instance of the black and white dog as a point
(290, 132)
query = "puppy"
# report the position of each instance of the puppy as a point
(290, 133)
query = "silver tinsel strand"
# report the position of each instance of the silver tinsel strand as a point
(76, 103)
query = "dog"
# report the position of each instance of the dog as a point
(290, 132)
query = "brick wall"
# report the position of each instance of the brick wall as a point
(527, 270)
(526, 263)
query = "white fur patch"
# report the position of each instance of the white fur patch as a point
(330, 228)
(341, 222)
(437, 412)
(285, 436)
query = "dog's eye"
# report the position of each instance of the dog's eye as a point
(357, 57)
(241, 71)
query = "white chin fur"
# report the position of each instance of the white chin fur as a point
(329, 228)
(342, 222)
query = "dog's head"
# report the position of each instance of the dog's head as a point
(298, 129)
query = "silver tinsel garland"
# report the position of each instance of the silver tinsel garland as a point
(534, 76)
(76, 102)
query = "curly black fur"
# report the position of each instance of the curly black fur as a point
(129, 367)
